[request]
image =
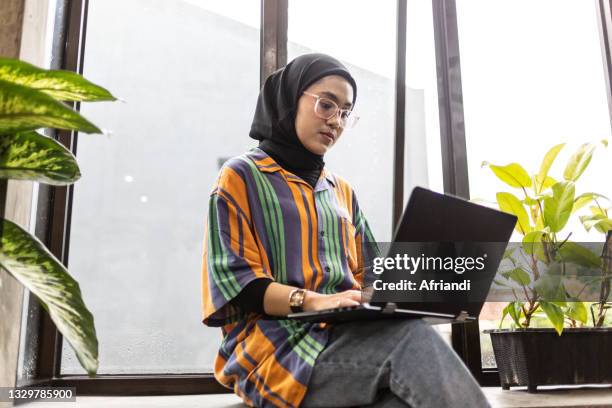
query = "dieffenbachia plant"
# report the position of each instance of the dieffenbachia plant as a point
(30, 99)
(543, 211)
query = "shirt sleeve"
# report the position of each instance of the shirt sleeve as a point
(231, 260)
(366, 245)
(251, 298)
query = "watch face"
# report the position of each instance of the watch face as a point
(296, 300)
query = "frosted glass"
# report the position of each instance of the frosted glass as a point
(188, 72)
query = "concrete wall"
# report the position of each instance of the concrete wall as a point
(22, 30)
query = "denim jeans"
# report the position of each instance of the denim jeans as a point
(390, 363)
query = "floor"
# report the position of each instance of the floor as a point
(517, 397)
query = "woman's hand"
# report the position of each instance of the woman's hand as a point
(317, 301)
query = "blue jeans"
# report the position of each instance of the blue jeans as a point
(390, 363)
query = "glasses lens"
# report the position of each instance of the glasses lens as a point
(326, 108)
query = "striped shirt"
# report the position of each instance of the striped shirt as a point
(264, 221)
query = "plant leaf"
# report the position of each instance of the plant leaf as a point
(512, 174)
(578, 254)
(27, 259)
(600, 222)
(579, 162)
(595, 210)
(61, 85)
(532, 244)
(509, 203)
(34, 157)
(514, 310)
(576, 310)
(548, 182)
(547, 161)
(23, 108)
(504, 314)
(558, 208)
(519, 276)
(584, 199)
(550, 286)
(554, 314)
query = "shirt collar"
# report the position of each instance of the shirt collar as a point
(266, 164)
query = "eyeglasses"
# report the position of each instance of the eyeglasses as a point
(326, 109)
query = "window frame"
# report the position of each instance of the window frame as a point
(53, 216)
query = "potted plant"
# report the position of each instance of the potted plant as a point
(549, 278)
(32, 98)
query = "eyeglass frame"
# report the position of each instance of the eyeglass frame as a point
(338, 111)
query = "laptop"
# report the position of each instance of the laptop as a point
(433, 227)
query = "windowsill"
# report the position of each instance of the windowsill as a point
(595, 396)
(568, 396)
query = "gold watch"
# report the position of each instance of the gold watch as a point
(296, 300)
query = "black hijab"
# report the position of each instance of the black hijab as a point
(274, 121)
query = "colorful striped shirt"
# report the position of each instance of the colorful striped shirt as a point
(264, 221)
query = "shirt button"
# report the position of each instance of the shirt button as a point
(322, 233)
(327, 269)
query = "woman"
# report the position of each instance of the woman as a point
(285, 234)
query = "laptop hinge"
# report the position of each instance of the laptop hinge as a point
(462, 316)
(389, 308)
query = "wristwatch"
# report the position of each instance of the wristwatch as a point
(296, 300)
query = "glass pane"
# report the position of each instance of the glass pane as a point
(423, 155)
(189, 74)
(30, 316)
(529, 88)
(370, 56)
(423, 158)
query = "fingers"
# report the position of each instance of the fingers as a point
(348, 298)
(346, 302)
(353, 295)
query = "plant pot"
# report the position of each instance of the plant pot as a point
(532, 357)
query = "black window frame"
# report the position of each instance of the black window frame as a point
(44, 342)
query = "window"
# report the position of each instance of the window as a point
(370, 57)
(532, 77)
(189, 74)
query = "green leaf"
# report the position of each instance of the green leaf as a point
(548, 160)
(532, 244)
(576, 310)
(558, 208)
(514, 310)
(27, 259)
(584, 199)
(530, 201)
(548, 182)
(34, 157)
(579, 162)
(509, 203)
(504, 314)
(519, 276)
(512, 174)
(554, 314)
(23, 108)
(61, 85)
(595, 210)
(550, 285)
(577, 254)
(600, 222)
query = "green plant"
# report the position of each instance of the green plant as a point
(540, 264)
(600, 220)
(32, 98)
